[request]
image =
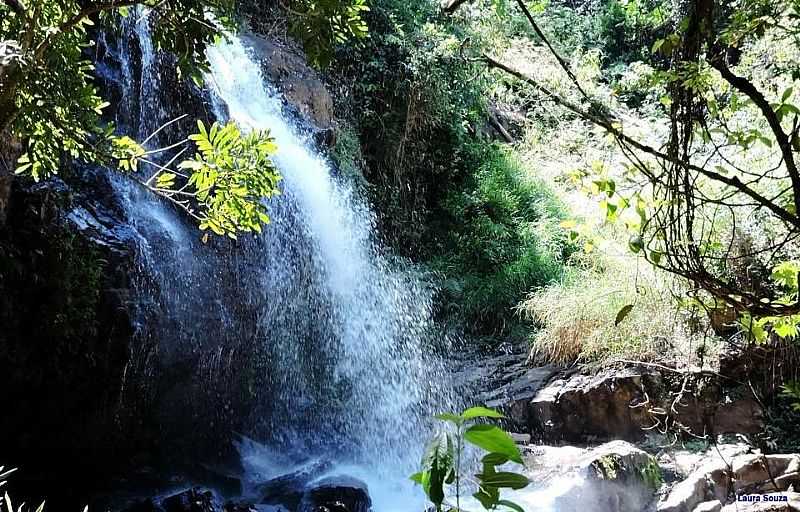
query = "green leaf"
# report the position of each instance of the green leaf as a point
(655, 257)
(494, 459)
(421, 478)
(493, 440)
(438, 464)
(510, 504)
(488, 497)
(622, 313)
(452, 418)
(504, 479)
(480, 412)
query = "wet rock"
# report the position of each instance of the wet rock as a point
(191, 500)
(623, 404)
(238, 506)
(288, 490)
(521, 438)
(615, 477)
(224, 480)
(301, 85)
(337, 494)
(67, 328)
(325, 138)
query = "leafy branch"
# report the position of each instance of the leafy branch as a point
(223, 186)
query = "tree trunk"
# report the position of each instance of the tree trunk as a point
(10, 75)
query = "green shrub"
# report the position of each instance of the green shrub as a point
(410, 101)
(502, 239)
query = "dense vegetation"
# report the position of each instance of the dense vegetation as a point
(610, 181)
(651, 77)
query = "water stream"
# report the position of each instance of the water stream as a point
(384, 383)
(310, 340)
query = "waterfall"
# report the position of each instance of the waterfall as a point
(378, 316)
(309, 339)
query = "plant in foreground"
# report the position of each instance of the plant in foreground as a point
(6, 500)
(441, 463)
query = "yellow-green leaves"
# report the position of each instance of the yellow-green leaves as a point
(493, 440)
(231, 177)
(791, 390)
(785, 276)
(127, 152)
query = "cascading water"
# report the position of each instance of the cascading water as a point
(309, 339)
(378, 315)
(380, 377)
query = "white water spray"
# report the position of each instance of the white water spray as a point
(380, 315)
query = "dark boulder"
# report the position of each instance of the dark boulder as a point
(238, 506)
(191, 500)
(337, 494)
(625, 404)
(288, 489)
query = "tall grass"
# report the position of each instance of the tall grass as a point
(579, 318)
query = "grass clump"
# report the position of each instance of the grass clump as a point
(581, 318)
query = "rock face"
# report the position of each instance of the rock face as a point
(720, 481)
(300, 84)
(66, 326)
(622, 404)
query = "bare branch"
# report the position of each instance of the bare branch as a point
(544, 39)
(717, 61)
(622, 138)
(453, 6)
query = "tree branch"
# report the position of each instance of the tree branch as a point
(84, 13)
(453, 6)
(612, 128)
(743, 85)
(544, 39)
(17, 6)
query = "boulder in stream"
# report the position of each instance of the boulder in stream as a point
(288, 490)
(613, 477)
(336, 494)
(616, 477)
(191, 500)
